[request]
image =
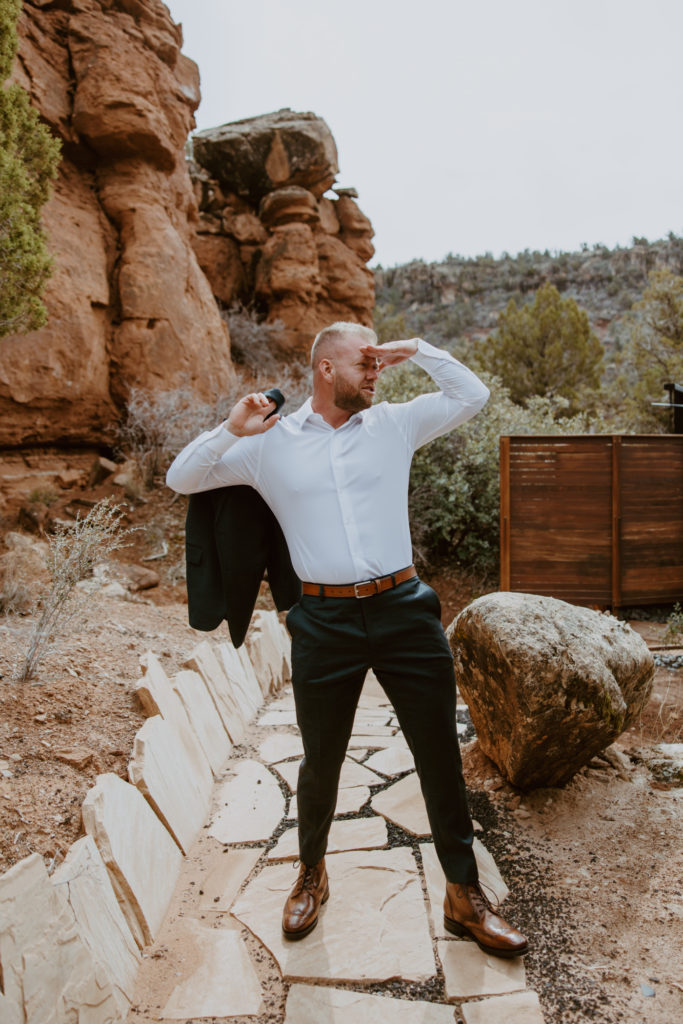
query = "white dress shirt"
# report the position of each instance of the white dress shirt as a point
(340, 495)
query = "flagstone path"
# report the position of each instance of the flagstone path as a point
(380, 952)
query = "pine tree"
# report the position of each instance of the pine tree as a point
(29, 157)
(546, 348)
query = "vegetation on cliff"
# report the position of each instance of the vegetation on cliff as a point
(29, 156)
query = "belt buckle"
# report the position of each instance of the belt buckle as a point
(366, 583)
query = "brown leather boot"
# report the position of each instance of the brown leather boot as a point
(467, 911)
(310, 891)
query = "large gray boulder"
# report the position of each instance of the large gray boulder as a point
(259, 154)
(548, 684)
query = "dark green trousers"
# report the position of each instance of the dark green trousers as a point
(399, 635)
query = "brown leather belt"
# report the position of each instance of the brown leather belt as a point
(367, 588)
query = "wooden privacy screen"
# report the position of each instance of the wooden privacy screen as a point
(593, 519)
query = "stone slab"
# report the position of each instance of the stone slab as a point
(362, 739)
(142, 859)
(518, 1008)
(436, 881)
(391, 761)
(248, 807)
(226, 872)
(204, 661)
(205, 720)
(349, 801)
(372, 728)
(372, 691)
(245, 687)
(249, 671)
(353, 834)
(373, 927)
(278, 718)
(357, 753)
(269, 648)
(176, 784)
(470, 972)
(352, 774)
(83, 879)
(311, 1004)
(280, 745)
(284, 703)
(48, 971)
(219, 981)
(404, 804)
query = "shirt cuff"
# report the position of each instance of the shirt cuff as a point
(426, 352)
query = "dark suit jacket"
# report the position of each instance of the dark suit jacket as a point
(231, 539)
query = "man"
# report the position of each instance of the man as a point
(335, 473)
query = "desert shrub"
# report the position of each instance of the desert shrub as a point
(73, 550)
(454, 495)
(254, 344)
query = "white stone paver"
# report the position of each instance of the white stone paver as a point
(244, 684)
(142, 859)
(226, 872)
(175, 779)
(470, 972)
(277, 718)
(223, 982)
(404, 804)
(352, 774)
(436, 881)
(278, 746)
(363, 739)
(83, 880)
(311, 1004)
(349, 801)
(374, 926)
(353, 834)
(201, 712)
(204, 661)
(249, 806)
(47, 968)
(518, 1008)
(391, 761)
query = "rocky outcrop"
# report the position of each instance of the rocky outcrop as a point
(548, 684)
(268, 237)
(128, 304)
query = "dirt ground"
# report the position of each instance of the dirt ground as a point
(595, 868)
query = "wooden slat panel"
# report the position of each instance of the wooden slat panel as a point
(594, 519)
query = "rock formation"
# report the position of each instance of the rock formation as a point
(548, 684)
(128, 303)
(267, 236)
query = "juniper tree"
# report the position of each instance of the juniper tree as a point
(546, 348)
(29, 156)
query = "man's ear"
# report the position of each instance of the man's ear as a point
(326, 368)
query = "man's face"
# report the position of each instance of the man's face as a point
(355, 376)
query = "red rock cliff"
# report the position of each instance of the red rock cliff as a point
(128, 303)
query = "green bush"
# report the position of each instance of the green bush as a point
(454, 491)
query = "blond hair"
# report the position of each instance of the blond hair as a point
(326, 340)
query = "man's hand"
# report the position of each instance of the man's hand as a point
(391, 353)
(248, 416)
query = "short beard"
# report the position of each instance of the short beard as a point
(349, 399)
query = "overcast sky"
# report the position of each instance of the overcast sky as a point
(468, 125)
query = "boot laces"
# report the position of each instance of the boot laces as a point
(306, 880)
(479, 898)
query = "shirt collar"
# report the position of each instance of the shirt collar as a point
(305, 412)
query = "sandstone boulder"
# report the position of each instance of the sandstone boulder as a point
(286, 205)
(259, 154)
(548, 684)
